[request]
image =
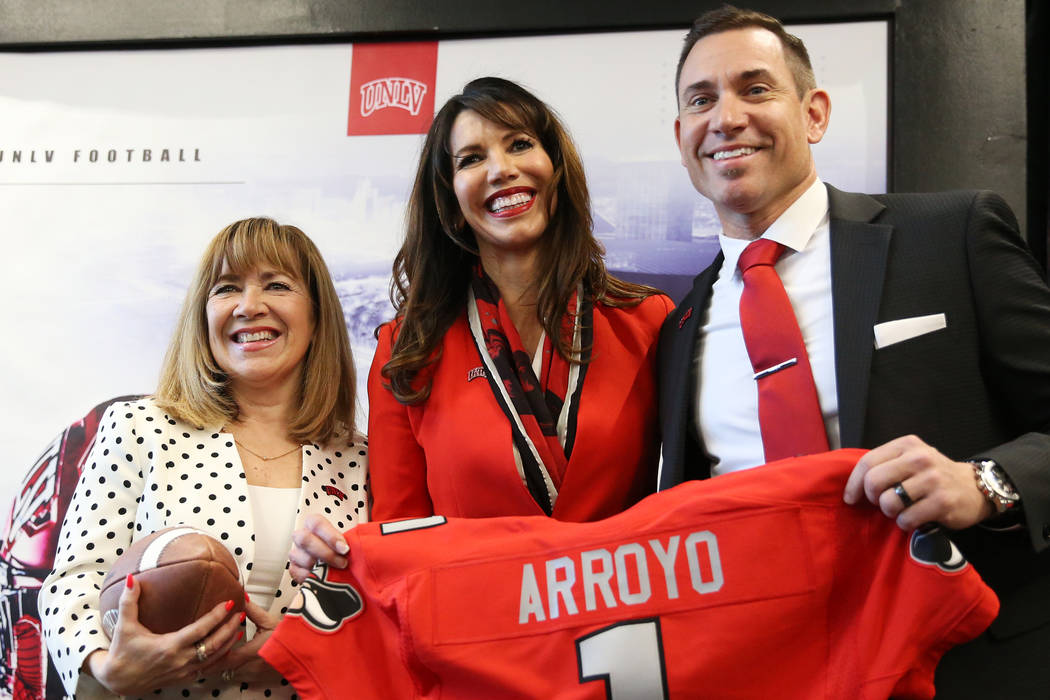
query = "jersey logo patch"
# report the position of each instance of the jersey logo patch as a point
(325, 605)
(933, 548)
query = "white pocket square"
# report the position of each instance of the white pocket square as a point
(892, 332)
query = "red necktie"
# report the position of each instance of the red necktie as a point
(788, 407)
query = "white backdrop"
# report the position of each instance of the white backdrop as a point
(99, 241)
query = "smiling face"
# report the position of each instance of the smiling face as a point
(260, 325)
(501, 178)
(742, 129)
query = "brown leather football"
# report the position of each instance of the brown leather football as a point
(183, 573)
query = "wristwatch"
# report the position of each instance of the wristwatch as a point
(995, 484)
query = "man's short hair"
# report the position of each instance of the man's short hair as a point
(727, 18)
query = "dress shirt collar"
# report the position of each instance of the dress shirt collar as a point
(793, 229)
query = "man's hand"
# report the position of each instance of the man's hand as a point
(942, 491)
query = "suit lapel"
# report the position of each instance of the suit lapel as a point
(678, 381)
(859, 251)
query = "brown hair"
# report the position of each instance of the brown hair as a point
(192, 386)
(432, 270)
(727, 18)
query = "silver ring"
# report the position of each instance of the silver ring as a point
(202, 651)
(898, 489)
(227, 675)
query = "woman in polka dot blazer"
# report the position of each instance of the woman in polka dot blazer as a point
(250, 430)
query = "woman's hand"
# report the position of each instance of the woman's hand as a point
(317, 540)
(139, 661)
(243, 664)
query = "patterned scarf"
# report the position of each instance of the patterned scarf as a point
(542, 410)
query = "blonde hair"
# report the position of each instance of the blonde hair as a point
(193, 387)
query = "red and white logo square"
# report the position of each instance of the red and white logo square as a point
(392, 88)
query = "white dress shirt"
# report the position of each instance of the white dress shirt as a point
(727, 399)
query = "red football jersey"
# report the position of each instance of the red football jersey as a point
(757, 584)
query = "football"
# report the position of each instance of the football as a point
(183, 573)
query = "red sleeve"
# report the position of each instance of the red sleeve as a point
(894, 609)
(668, 306)
(396, 463)
(359, 656)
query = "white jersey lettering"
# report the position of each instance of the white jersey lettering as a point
(641, 572)
(561, 586)
(585, 580)
(714, 563)
(597, 579)
(531, 600)
(667, 557)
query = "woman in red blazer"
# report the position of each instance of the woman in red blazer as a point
(518, 377)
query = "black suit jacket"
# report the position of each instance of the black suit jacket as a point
(978, 388)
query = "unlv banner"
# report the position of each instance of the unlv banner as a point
(392, 88)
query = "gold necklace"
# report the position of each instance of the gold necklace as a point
(265, 459)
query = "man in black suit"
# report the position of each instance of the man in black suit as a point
(925, 319)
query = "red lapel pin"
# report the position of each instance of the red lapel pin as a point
(685, 316)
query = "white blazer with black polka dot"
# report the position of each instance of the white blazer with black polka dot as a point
(148, 471)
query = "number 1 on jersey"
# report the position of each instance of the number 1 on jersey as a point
(628, 656)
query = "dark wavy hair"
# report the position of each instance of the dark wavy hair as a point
(433, 268)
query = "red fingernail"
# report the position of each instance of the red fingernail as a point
(130, 580)
(240, 635)
(243, 615)
(229, 605)
(246, 598)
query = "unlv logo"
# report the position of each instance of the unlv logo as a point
(325, 605)
(333, 491)
(392, 92)
(392, 88)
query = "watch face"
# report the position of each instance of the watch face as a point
(1000, 483)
